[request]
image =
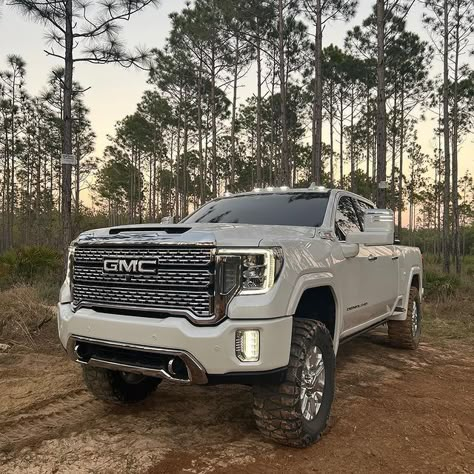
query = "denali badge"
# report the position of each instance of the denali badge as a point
(130, 265)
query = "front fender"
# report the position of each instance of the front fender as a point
(315, 280)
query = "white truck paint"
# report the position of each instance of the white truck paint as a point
(366, 280)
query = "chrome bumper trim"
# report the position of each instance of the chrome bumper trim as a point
(196, 373)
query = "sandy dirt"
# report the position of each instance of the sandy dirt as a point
(395, 411)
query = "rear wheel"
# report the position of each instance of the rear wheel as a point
(296, 412)
(118, 387)
(406, 334)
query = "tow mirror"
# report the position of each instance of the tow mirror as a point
(379, 229)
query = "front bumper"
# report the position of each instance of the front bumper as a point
(211, 347)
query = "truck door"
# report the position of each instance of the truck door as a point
(382, 270)
(353, 272)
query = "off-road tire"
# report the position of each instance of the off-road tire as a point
(277, 408)
(110, 386)
(400, 333)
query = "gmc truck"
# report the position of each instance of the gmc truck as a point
(257, 288)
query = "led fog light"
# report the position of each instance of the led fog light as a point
(247, 345)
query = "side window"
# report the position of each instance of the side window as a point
(346, 218)
(361, 207)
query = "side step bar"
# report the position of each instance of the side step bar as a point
(176, 366)
(362, 331)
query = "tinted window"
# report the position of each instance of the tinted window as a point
(346, 218)
(361, 207)
(294, 209)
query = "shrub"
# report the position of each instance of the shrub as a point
(23, 315)
(440, 286)
(37, 266)
(27, 262)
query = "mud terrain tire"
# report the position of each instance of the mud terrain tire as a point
(278, 409)
(406, 334)
(111, 386)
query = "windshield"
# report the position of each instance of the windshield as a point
(292, 209)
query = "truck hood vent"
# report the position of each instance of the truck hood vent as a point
(165, 230)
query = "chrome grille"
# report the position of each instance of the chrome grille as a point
(183, 284)
(178, 278)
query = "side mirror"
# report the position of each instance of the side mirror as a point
(379, 229)
(349, 250)
(167, 220)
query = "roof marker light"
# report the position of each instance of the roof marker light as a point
(284, 188)
(313, 186)
(256, 190)
(270, 188)
(227, 194)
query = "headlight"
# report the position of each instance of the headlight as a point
(253, 271)
(66, 290)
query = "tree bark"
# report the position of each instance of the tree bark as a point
(234, 109)
(331, 132)
(447, 174)
(381, 112)
(259, 107)
(341, 136)
(67, 122)
(202, 179)
(400, 171)
(456, 241)
(317, 99)
(285, 168)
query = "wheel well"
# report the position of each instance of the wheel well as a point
(318, 304)
(415, 281)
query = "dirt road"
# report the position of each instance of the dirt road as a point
(395, 411)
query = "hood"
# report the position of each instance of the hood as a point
(221, 235)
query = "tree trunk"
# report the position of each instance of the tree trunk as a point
(351, 148)
(184, 211)
(447, 174)
(394, 150)
(285, 168)
(67, 121)
(341, 136)
(456, 241)
(202, 178)
(259, 108)
(400, 171)
(381, 113)
(214, 129)
(317, 99)
(234, 109)
(331, 132)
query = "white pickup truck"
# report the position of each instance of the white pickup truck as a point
(257, 288)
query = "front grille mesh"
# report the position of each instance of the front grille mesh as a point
(183, 283)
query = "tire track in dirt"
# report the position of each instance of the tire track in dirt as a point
(59, 417)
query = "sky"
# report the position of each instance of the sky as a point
(115, 91)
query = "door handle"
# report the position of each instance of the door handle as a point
(395, 257)
(372, 258)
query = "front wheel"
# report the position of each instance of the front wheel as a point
(296, 412)
(118, 387)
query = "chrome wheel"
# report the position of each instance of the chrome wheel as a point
(312, 384)
(415, 319)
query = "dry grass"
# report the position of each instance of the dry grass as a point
(447, 318)
(23, 315)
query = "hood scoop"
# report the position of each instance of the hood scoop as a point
(157, 230)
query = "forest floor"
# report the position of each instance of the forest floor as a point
(394, 411)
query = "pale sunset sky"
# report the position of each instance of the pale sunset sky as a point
(114, 91)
